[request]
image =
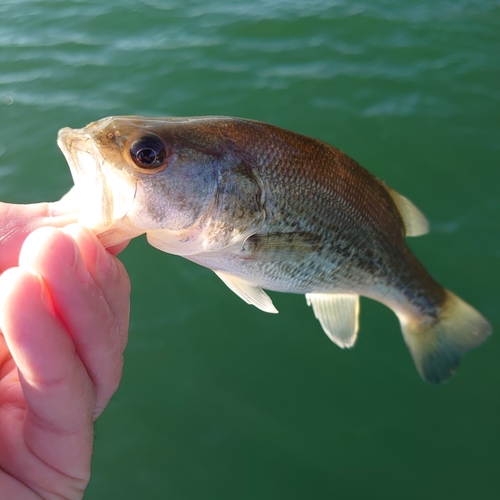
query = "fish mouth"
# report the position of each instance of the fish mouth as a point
(102, 193)
(85, 163)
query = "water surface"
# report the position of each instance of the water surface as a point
(220, 400)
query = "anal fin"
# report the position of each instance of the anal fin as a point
(247, 291)
(338, 315)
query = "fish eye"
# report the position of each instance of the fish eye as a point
(148, 153)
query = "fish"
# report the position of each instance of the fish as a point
(270, 209)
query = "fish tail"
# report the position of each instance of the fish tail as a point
(437, 343)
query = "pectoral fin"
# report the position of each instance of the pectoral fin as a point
(250, 293)
(279, 246)
(338, 315)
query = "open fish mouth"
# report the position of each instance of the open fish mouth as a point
(91, 188)
(102, 192)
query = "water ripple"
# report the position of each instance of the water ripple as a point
(50, 48)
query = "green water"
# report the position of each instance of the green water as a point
(220, 400)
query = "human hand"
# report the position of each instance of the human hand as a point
(18, 221)
(64, 306)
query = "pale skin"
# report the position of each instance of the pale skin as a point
(64, 310)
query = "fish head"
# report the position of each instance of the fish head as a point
(135, 174)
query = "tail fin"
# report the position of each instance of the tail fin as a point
(437, 345)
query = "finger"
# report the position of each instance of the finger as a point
(71, 202)
(108, 273)
(116, 249)
(9, 379)
(81, 305)
(4, 354)
(20, 220)
(60, 397)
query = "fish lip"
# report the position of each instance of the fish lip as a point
(70, 141)
(86, 166)
(100, 208)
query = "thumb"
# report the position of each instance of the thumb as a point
(18, 221)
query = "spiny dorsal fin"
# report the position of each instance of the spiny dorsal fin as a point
(414, 220)
(247, 291)
(338, 315)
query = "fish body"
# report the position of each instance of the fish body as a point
(266, 208)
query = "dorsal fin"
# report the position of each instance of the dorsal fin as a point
(414, 220)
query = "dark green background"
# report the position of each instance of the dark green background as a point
(220, 400)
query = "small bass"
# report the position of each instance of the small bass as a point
(266, 208)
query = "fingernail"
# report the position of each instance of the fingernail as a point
(79, 268)
(104, 261)
(44, 294)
